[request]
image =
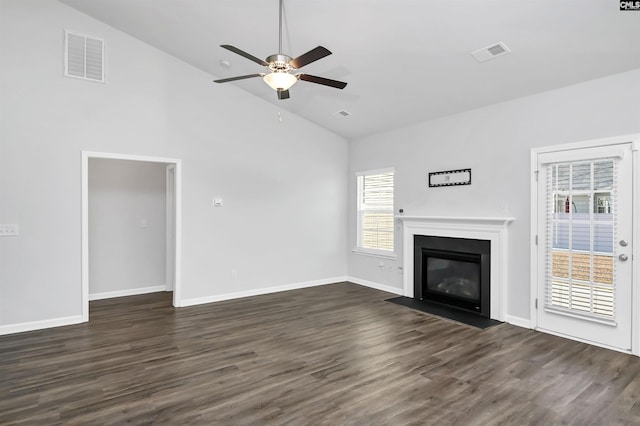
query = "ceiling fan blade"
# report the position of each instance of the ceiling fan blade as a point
(311, 56)
(322, 80)
(240, 77)
(245, 54)
(283, 94)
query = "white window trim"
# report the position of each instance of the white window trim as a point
(375, 253)
(384, 254)
(376, 172)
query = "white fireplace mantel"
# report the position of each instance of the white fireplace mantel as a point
(493, 229)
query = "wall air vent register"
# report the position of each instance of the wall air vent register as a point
(83, 57)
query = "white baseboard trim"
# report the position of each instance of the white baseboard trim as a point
(128, 292)
(377, 286)
(259, 291)
(517, 321)
(39, 325)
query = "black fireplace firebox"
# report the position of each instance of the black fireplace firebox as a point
(454, 272)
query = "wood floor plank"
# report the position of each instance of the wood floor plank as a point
(334, 355)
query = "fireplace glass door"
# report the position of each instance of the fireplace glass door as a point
(452, 278)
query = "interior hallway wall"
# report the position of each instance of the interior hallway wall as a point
(283, 182)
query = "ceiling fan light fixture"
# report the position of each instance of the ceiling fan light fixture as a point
(280, 80)
(281, 66)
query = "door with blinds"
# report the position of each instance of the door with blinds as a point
(584, 244)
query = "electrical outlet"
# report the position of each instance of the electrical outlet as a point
(9, 230)
(234, 273)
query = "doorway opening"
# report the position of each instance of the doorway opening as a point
(169, 234)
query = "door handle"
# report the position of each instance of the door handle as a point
(623, 243)
(623, 257)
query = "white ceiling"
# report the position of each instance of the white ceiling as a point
(406, 61)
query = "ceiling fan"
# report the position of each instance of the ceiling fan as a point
(280, 66)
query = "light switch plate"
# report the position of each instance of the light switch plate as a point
(217, 202)
(9, 230)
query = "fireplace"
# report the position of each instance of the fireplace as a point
(455, 272)
(493, 230)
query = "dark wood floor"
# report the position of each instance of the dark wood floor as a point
(332, 355)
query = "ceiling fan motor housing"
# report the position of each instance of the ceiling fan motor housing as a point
(279, 63)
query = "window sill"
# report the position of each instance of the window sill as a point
(381, 254)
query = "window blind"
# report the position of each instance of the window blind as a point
(580, 235)
(375, 211)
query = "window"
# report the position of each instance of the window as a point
(581, 222)
(375, 211)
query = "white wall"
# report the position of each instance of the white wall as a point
(495, 142)
(283, 221)
(127, 232)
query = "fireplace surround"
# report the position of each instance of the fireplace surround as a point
(492, 229)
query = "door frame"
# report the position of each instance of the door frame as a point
(634, 139)
(170, 219)
(86, 155)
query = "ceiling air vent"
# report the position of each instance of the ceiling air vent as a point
(342, 113)
(490, 52)
(83, 57)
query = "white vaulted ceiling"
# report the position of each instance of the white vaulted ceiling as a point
(406, 61)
